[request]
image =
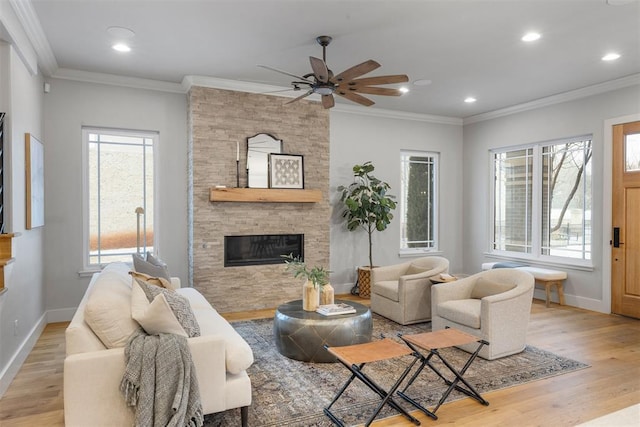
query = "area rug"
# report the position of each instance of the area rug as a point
(292, 393)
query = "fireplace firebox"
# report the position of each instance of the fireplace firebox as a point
(258, 249)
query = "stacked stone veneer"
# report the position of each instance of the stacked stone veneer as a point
(218, 119)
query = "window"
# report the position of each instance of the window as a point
(119, 190)
(542, 200)
(418, 201)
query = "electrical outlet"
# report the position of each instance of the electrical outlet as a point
(15, 327)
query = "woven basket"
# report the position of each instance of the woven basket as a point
(364, 282)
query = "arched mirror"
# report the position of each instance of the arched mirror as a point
(258, 149)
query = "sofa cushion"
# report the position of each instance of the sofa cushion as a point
(387, 289)
(238, 354)
(179, 306)
(155, 317)
(485, 287)
(142, 265)
(156, 281)
(463, 311)
(108, 308)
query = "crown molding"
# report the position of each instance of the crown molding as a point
(116, 80)
(236, 85)
(573, 95)
(33, 29)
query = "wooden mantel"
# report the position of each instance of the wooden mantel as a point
(5, 255)
(274, 195)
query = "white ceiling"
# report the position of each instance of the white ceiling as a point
(465, 47)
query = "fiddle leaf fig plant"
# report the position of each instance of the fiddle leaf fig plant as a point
(367, 204)
(316, 275)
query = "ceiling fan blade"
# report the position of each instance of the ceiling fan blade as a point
(352, 96)
(304, 95)
(375, 90)
(328, 101)
(380, 80)
(319, 69)
(284, 72)
(355, 71)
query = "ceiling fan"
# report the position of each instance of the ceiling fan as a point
(346, 84)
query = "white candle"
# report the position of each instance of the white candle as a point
(237, 151)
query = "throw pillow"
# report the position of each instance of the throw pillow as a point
(143, 266)
(156, 316)
(155, 261)
(414, 269)
(179, 305)
(485, 287)
(156, 281)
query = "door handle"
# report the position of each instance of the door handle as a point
(616, 237)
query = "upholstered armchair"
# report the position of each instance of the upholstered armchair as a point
(402, 292)
(493, 305)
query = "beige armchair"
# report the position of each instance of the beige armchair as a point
(493, 305)
(402, 292)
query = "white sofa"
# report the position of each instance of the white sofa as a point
(93, 372)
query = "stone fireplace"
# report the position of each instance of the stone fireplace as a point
(261, 249)
(218, 121)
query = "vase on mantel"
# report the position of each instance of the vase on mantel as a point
(327, 294)
(310, 296)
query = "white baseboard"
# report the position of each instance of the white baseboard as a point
(575, 301)
(342, 288)
(60, 315)
(14, 365)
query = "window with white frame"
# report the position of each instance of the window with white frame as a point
(119, 194)
(418, 201)
(542, 200)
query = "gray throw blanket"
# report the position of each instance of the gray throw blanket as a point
(160, 381)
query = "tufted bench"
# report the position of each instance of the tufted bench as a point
(543, 276)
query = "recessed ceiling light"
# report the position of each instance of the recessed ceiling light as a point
(422, 82)
(611, 56)
(121, 47)
(121, 33)
(531, 37)
(404, 89)
(470, 100)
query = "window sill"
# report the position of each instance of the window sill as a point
(541, 262)
(409, 253)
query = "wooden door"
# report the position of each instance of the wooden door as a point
(625, 251)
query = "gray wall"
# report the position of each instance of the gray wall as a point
(71, 105)
(586, 289)
(357, 138)
(23, 302)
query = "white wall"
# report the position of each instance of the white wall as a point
(357, 138)
(584, 116)
(24, 299)
(71, 105)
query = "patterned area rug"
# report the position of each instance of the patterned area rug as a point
(292, 393)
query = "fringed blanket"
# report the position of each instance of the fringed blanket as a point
(160, 381)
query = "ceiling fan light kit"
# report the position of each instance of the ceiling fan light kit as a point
(323, 82)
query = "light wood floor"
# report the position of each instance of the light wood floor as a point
(610, 344)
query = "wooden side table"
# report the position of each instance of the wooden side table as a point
(432, 342)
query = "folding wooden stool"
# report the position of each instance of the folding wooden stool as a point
(433, 341)
(355, 357)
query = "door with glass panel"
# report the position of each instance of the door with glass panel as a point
(625, 235)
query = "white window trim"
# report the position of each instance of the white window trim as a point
(411, 252)
(88, 269)
(536, 222)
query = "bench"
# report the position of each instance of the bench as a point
(543, 276)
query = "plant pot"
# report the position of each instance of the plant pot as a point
(364, 281)
(327, 294)
(310, 296)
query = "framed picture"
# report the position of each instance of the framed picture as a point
(34, 159)
(286, 171)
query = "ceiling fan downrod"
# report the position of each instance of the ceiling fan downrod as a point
(324, 42)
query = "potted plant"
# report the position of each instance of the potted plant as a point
(316, 290)
(367, 206)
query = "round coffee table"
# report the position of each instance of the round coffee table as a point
(301, 335)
